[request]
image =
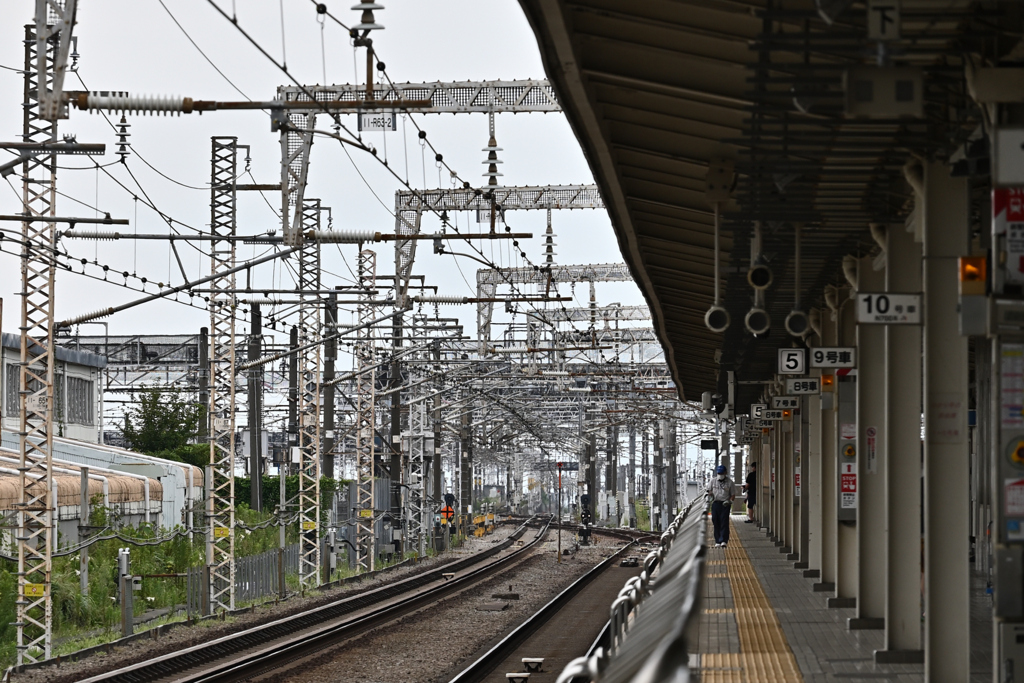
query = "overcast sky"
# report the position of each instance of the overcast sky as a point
(137, 47)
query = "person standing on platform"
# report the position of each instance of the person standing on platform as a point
(751, 488)
(721, 492)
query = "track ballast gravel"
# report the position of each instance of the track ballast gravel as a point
(434, 644)
(183, 636)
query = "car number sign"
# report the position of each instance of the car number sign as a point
(792, 361)
(803, 386)
(889, 309)
(834, 357)
(785, 402)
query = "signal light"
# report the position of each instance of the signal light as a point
(828, 382)
(973, 275)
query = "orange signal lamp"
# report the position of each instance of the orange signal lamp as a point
(828, 383)
(973, 275)
(787, 415)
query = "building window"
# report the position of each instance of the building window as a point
(11, 394)
(80, 397)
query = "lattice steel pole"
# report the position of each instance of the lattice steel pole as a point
(296, 141)
(309, 400)
(220, 547)
(417, 440)
(366, 380)
(36, 505)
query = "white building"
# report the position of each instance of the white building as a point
(78, 390)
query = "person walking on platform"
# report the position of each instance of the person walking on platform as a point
(721, 492)
(751, 488)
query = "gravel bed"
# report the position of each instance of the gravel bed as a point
(436, 643)
(183, 636)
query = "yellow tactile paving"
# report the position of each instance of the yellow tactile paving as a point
(765, 656)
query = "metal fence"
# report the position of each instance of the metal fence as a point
(256, 577)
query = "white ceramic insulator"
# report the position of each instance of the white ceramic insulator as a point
(102, 313)
(344, 236)
(132, 104)
(93, 234)
(512, 349)
(263, 301)
(439, 299)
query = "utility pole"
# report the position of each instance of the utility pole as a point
(204, 384)
(657, 497)
(255, 380)
(293, 394)
(330, 355)
(395, 447)
(223, 303)
(437, 464)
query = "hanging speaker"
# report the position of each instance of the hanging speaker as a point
(797, 323)
(759, 276)
(717, 319)
(757, 321)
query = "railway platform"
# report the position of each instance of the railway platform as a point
(762, 621)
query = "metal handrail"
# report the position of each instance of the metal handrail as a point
(653, 613)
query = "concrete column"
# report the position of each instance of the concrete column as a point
(785, 486)
(829, 475)
(902, 438)
(773, 449)
(846, 555)
(799, 486)
(946, 476)
(872, 540)
(765, 467)
(811, 494)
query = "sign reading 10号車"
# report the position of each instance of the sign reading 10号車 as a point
(889, 309)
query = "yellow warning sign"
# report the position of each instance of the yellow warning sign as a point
(35, 590)
(366, 513)
(221, 532)
(849, 450)
(308, 526)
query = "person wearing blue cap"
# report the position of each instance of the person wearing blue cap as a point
(721, 491)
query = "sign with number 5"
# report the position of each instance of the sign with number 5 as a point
(792, 361)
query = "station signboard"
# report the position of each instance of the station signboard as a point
(785, 402)
(803, 385)
(834, 357)
(889, 309)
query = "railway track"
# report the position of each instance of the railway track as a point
(569, 625)
(269, 647)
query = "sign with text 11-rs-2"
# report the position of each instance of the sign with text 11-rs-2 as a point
(382, 120)
(889, 309)
(785, 402)
(792, 361)
(803, 385)
(834, 357)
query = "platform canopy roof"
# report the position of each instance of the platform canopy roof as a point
(660, 91)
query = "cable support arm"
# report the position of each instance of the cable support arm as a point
(103, 313)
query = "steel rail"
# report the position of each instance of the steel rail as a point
(272, 655)
(479, 670)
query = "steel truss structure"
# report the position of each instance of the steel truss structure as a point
(220, 546)
(36, 535)
(468, 97)
(366, 384)
(309, 400)
(524, 198)
(420, 430)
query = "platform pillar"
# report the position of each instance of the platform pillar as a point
(946, 476)
(903, 450)
(829, 475)
(847, 566)
(811, 482)
(785, 480)
(872, 532)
